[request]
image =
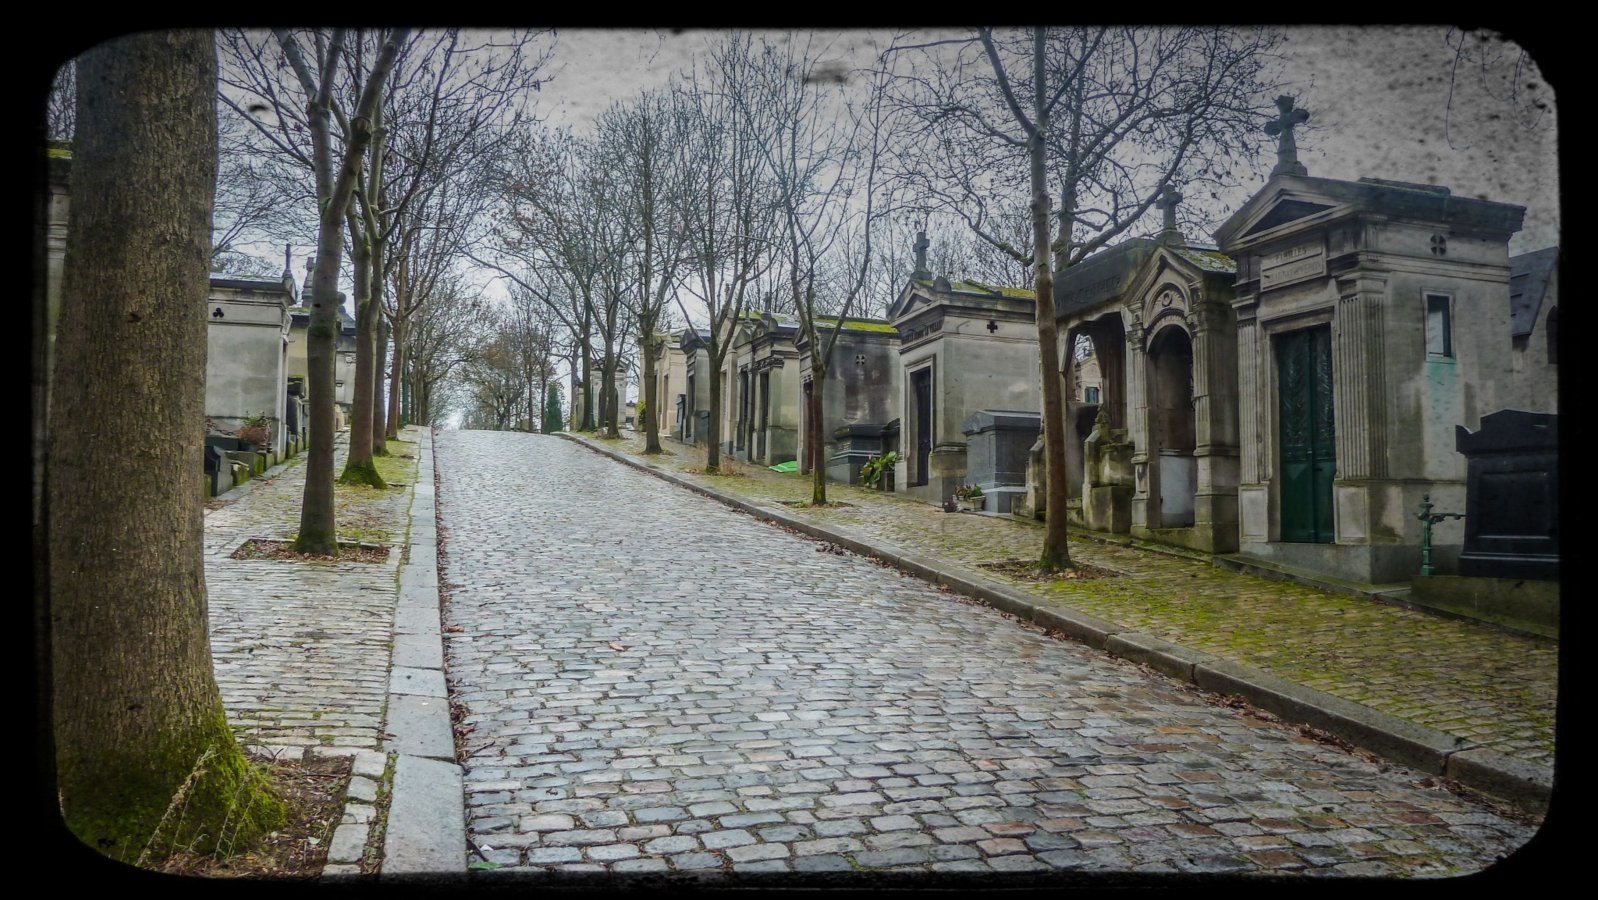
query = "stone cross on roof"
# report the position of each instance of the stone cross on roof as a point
(1167, 203)
(1281, 128)
(921, 246)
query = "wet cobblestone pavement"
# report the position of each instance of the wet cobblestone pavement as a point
(653, 682)
(1467, 680)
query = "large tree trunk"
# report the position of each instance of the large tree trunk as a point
(1056, 555)
(588, 378)
(358, 465)
(138, 721)
(713, 432)
(651, 414)
(608, 387)
(396, 381)
(379, 427)
(815, 437)
(397, 371)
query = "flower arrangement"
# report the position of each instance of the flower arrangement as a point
(968, 492)
(256, 429)
(871, 471)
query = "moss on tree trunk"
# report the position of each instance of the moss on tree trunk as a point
(144, 757)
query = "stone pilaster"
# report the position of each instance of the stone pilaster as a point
(1137, 414)
(1360, 378)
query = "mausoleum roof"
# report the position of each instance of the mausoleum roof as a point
(1208, 260)
(977, 287)
(1286, 198)
(1529, 274)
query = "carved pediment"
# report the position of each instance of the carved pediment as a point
(1286, 211)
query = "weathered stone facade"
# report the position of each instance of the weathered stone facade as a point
(1159, 457)
(1534, 329)
(1371, 321)
(860, 394)
(671, 378)
(246, 372)
(763, 401)
(963, 346)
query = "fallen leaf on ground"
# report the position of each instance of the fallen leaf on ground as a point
(617, 646)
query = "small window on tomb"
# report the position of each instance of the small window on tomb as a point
(1439, 326)
(1091, 395)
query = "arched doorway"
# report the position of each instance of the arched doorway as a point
(1173, 431)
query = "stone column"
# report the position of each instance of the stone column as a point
(1215, 423)
(1137, 413)
(1359, 393)
(1073, 447)
(1253, 397)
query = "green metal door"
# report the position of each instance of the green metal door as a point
(1308, 437)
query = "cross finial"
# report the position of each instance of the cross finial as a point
(921, 246)
(1169, 198)
(1281, 128)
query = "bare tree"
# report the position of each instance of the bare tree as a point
(727, 204)
(446, 333)
(551, 242)
(145, 761)
(1110, 117)
(60, 109)
(451, 101)
(823, 157)
(643, 141)
(296, 116)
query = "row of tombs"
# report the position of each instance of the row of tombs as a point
(1348, 352)
(257, 389)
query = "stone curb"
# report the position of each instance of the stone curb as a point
(1526, 785)
(425, 839)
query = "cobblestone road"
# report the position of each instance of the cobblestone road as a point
(654, 682)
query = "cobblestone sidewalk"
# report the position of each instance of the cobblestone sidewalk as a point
(301, 649)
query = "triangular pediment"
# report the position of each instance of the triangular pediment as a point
(907, 298)
(1287, 211)
(1283, 200)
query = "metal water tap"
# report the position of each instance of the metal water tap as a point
(1428, 519)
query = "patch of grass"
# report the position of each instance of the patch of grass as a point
(262, 548)
(313, 792)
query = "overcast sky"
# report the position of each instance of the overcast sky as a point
(1378, 97)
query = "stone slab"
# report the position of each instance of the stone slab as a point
(1403, 742)
(1090, 630)
(416, 619)
(422, 682)
(1525, 784)
(1163, 656)
(419, 726)
(419, 573)
(418, 651)
(426, 837)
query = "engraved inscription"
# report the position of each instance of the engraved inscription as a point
(1304, 268)
(1292, 254)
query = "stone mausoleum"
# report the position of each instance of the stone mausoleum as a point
(1372, 321)
(1160, 454)
(247, 359)
(963, 347)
